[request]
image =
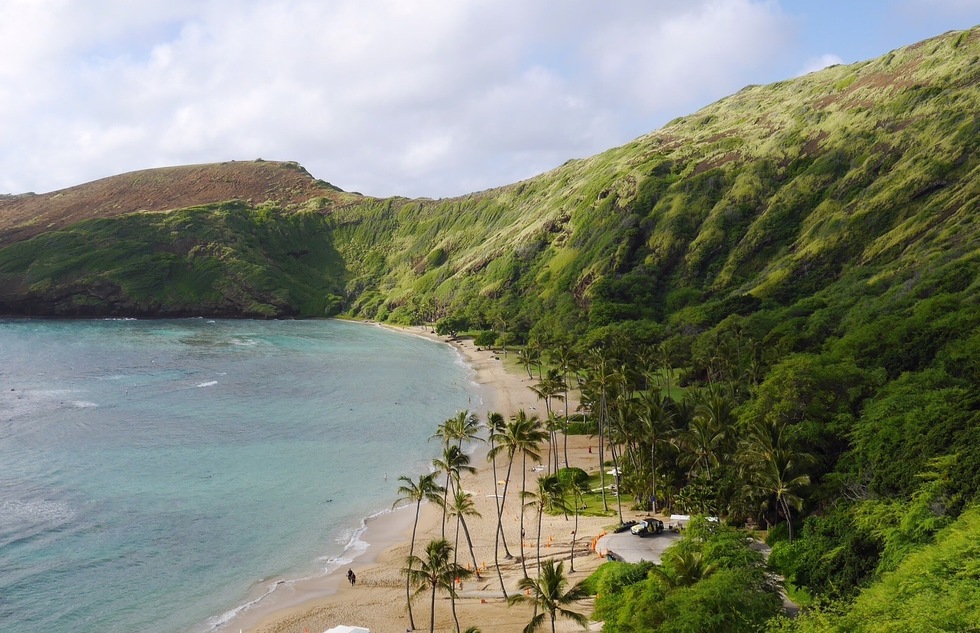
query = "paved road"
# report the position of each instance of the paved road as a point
(632, 548)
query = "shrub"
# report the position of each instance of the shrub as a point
(485, 338)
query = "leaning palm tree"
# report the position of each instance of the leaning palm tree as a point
(522, 434)
(502, 440)
(436, 571)
(526, 357)
(425, 490)
(549, 597)
(496, 425)
(462, 506)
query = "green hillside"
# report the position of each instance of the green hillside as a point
(865, 172)
(801, 259)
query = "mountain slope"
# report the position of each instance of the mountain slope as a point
(768, 195)
(253, 243)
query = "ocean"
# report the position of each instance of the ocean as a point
(160, 475)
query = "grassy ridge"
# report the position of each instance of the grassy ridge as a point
(773, 194)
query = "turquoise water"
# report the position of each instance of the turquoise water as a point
(155, 476)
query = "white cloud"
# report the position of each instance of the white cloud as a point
(819, 63)
(431, 97)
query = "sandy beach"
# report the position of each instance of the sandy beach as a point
(377, 601)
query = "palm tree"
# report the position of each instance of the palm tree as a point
(683, 568)
(454, 463)
(601, 381)
(617, 434)
(668, 370)
(526, 356)
(550, 494)
(549, 597)
(501, 440)
(549, 388)
(463, 427)
(496, 425)
(522, 434)
(461, 507)
(655, 418)
(775, 476)
(563, 358)
(534, 351)
(577, 488)
(425, 490)
(436, 570)
(704, 441)
(771, 465)
(530, 434)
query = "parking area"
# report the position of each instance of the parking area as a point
(633, 549)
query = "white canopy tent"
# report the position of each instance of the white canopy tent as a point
(347, 629)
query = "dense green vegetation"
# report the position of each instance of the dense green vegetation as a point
(770, 308)
(711, 580)
(227, 259)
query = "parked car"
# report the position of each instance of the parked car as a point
(648, 526)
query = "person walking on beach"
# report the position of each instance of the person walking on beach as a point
(350, 577)
(353, 579)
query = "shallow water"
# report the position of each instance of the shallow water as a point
(157, 475)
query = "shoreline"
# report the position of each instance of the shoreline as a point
(379, 532)
(315, 604)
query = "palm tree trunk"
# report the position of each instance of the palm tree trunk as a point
(469, 543)
(503, 500)
(498, 502)
(602, 469)
(523, 491)
(432, 612)
(540, 513)
(452, 590)
(445, 503)
(565, 425)
(571, 566)
(789, 518)
(618, 476)
(653, 471)
(554, 439)
(408, 576)
(500, 530)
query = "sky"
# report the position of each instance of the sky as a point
(420, 98)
